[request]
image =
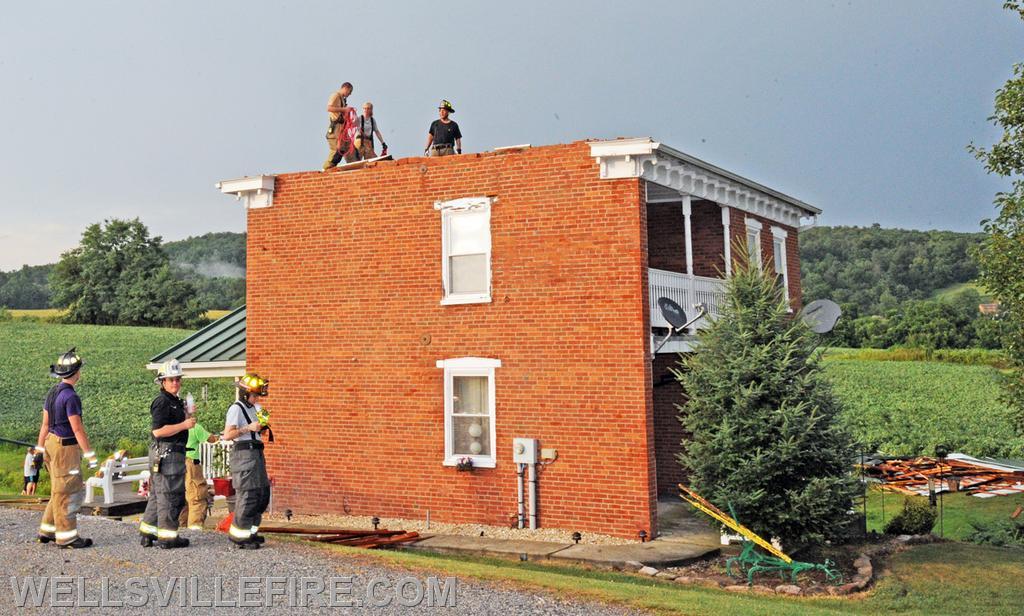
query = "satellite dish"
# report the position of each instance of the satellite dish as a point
(672, 312)
(821, 315)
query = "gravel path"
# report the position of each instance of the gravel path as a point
(128, 568)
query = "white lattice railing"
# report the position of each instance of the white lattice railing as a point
(684, 290)
(215, 458)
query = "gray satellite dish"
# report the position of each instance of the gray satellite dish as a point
(672, 312)
(821, 315)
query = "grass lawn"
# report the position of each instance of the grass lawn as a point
(958, 511)
(929, 579)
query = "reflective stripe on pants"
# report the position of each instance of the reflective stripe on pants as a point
(67, 490)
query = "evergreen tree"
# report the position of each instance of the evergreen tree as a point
(763, 419)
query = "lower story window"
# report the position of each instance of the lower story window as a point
(469, 410)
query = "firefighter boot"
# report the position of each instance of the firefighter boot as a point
(169, 544)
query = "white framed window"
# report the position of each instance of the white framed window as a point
(465, 250)
(779, 236)
(754, 241)
(469, 410)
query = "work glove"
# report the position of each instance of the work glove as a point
(91, 457)
(40, 449)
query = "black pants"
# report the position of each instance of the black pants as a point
(252, 488)
(166, 492)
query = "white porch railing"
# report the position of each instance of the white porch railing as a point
(686, 291)
(215, 458)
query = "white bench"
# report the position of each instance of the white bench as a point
(117, 479)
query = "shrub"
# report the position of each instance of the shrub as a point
(997, 532)
(917, 518)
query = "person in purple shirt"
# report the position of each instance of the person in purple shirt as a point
(62, 439)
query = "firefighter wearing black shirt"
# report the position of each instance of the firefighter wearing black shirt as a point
(444, 137)
(166, 461)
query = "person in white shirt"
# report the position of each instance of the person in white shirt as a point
(248, 466)
(367, 127)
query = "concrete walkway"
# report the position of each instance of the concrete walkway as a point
(657, 553)
(685, 536)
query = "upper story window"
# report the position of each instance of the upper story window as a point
(466, 250)
(754, 241)
(469, 410)
(779, 236)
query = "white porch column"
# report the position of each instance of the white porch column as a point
(689, 238)
(728, 243)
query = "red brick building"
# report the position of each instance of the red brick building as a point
(419, 313)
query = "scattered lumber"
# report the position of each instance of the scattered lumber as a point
(920, 475)
(369, 539)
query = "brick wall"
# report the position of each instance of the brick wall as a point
(668, 432)
(738, 230)
(344, 319)
(666, 230)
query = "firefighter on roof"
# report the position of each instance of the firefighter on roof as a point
(248, 467)
(166, 461)
(62, 439)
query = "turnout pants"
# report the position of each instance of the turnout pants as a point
(252, 488)
(67, 491)
(166, 491)
(193, 514)
(338, 150)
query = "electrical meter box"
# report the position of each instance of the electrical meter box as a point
(524, 450)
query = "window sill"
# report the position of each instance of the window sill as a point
(452, 300)
(478, 461)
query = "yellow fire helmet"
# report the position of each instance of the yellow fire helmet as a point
(253, 384)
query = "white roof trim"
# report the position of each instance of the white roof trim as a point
(208, 369)
(469, 362)
(652, 161)
(258, 191)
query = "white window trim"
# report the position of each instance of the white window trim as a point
(447, 208)
(468, 366)
(779, 235)
(755, 226)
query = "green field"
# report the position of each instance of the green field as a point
(951, 290)
(909, 407)
(51, 314)
(116, 388)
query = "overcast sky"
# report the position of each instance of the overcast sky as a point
(125, 109)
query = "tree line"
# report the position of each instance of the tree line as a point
(212, 264)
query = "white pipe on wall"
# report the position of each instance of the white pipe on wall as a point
(533, 497)
(520, 469)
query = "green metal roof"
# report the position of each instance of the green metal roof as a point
(222, 340)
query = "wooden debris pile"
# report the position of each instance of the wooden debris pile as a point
(922, 475)
(369, 539)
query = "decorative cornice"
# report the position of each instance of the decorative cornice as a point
(257, 191)
(654, 162)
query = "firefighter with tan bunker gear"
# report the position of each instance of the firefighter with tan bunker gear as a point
(62, 440)
(248, 466)
(170, 428)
